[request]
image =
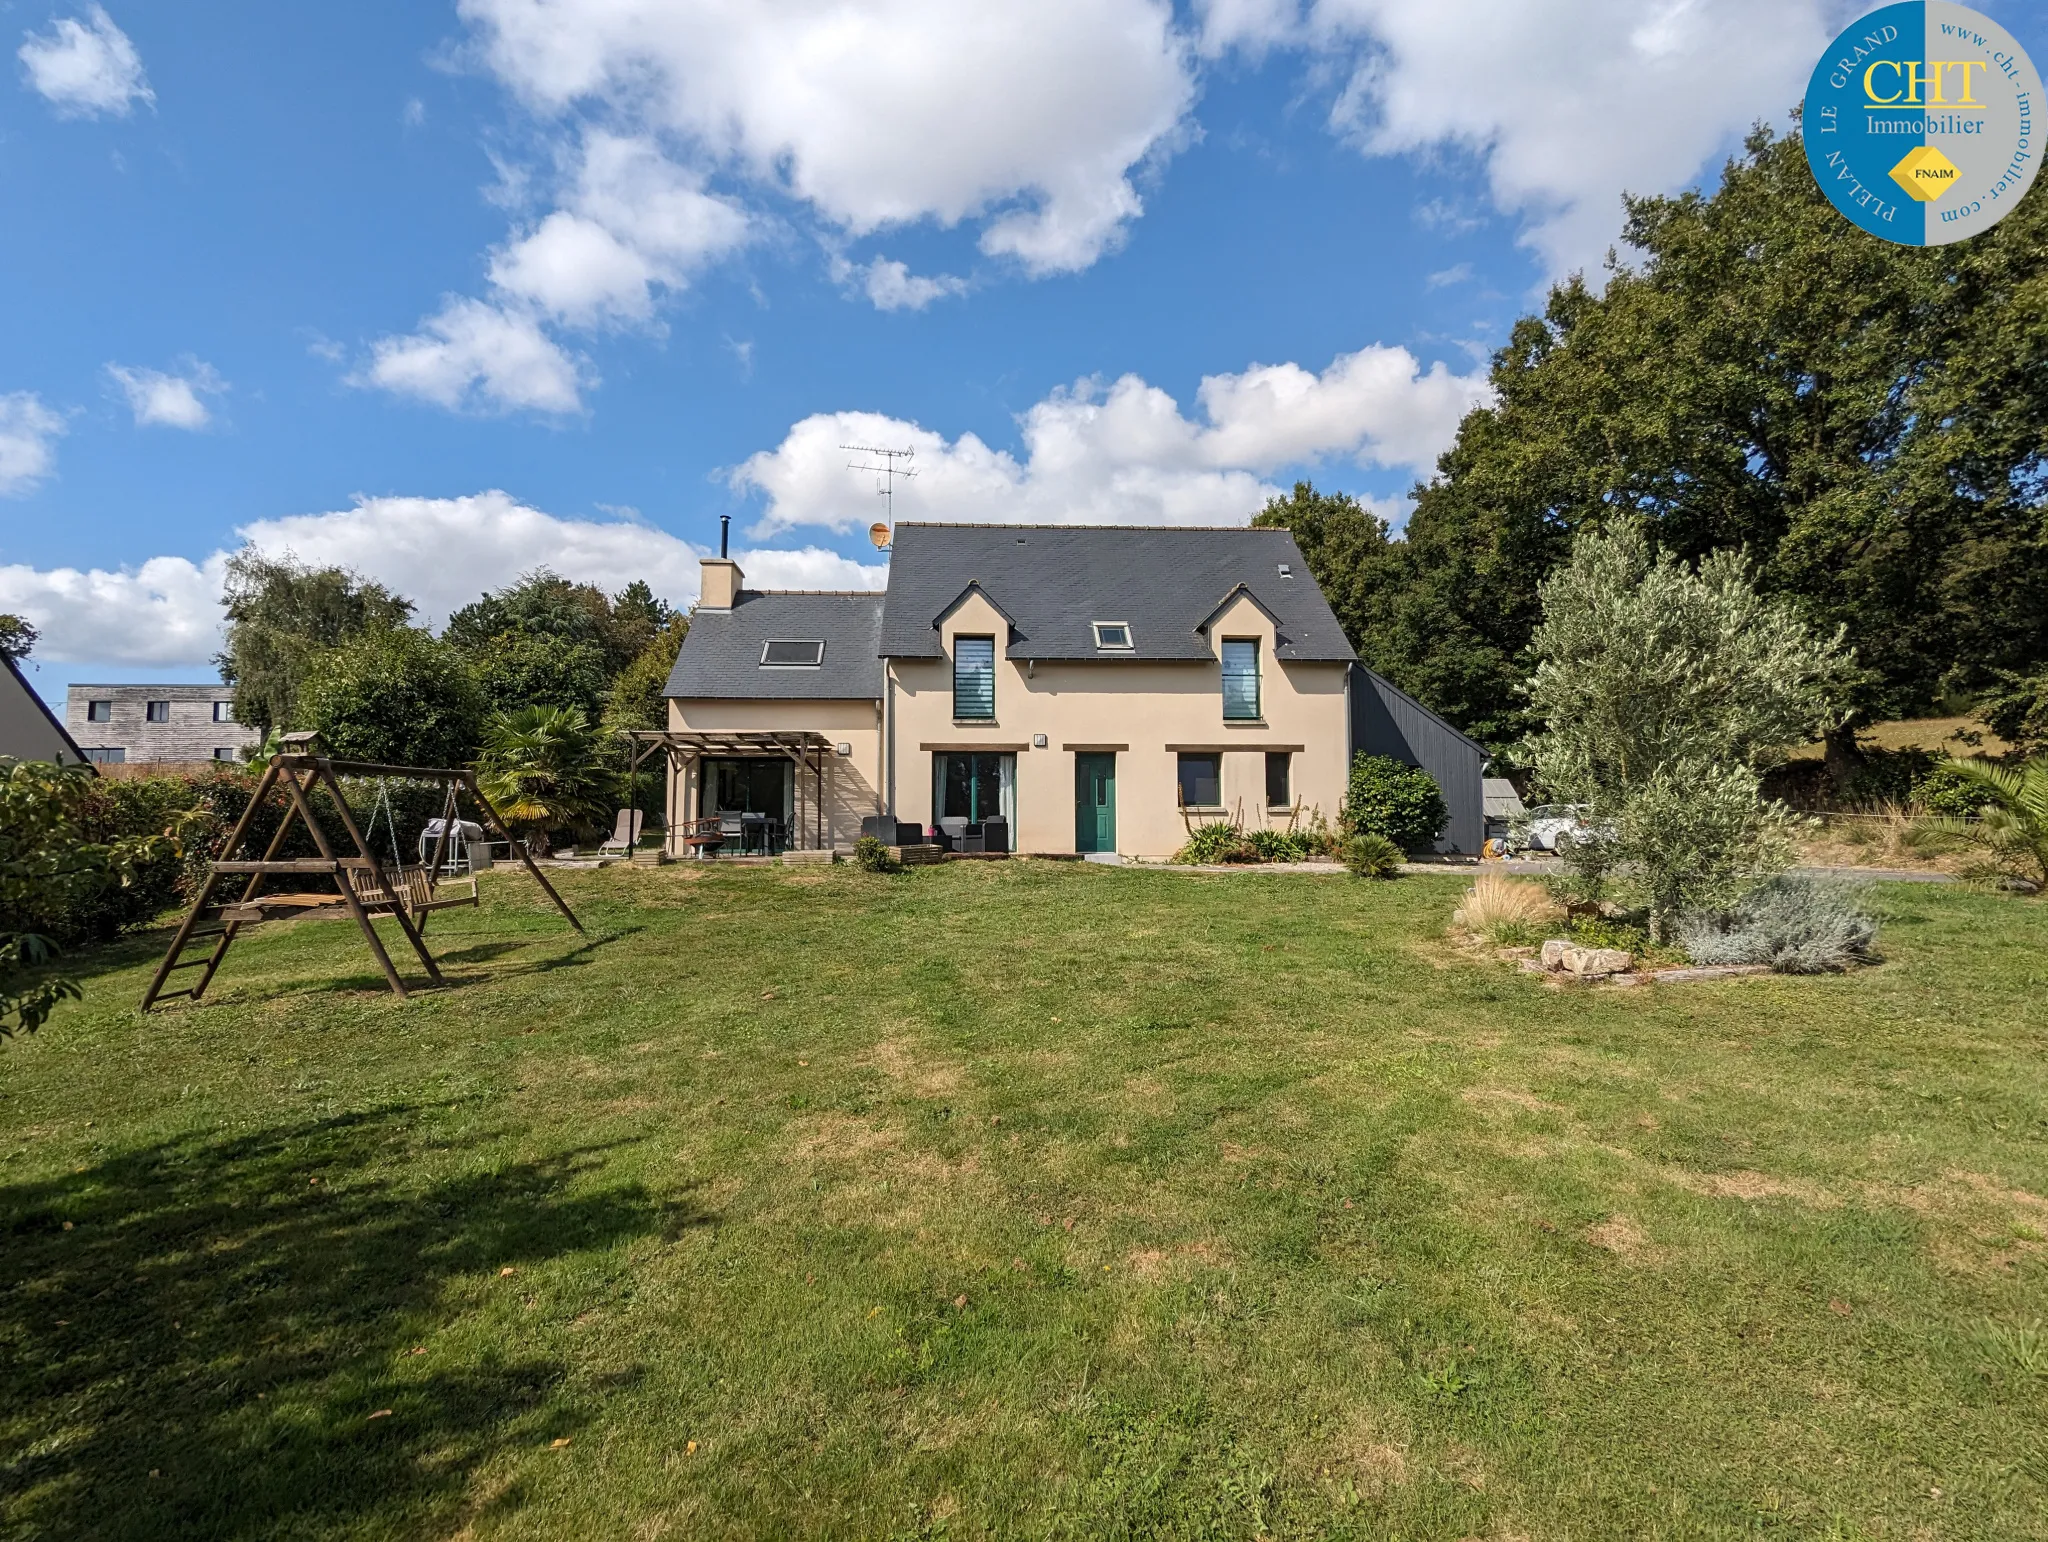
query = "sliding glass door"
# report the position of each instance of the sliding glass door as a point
(975, 787)
(750, 787)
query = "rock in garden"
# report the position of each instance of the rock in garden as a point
(1591, 963)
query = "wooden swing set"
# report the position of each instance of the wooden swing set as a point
(363, 886)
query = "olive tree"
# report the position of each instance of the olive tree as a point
(1664, 691)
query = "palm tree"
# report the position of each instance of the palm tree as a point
(543, 769)
(2014, 826)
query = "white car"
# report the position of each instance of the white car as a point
(1544, 825)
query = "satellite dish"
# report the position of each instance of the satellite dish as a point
(879, 534)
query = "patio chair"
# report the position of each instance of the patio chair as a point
(625, 834)
(995, 836)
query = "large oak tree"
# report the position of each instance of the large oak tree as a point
(1869, 421)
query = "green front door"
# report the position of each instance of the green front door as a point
(1095, 803)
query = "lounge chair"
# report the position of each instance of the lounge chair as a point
(625, 834)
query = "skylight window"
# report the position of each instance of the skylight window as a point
(792, 653)
(1113, 634)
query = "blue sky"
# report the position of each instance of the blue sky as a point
(447, 291)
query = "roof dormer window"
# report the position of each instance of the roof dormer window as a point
(1113, 636)
(792, 653)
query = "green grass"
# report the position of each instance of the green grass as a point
(1028, 1200)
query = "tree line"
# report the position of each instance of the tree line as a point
(1867, 423)
(327, 650)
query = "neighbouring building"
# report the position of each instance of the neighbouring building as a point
(1057, 689)
(28, 729)
(115, 724)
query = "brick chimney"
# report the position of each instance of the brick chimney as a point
(721, 585)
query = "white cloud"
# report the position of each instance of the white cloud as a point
(882, 112)
(478, 357)
(439, 552)
(1028, 117)
(632, 219)
(891, 286)
(86, 68)
(1125, 453)
(1458, 274)
(163, 613)
(168, 401)
(28, 442)
(1568, 102)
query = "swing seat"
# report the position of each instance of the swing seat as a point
(416, 891)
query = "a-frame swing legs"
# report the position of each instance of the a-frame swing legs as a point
(286, 769)
(188, 928)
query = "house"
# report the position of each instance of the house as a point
(28, 729)
(1079, 689)
(176, 723)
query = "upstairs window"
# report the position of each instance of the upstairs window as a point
(158, 712)
(1240, 679)
(223, 712)
(974, 679)
(99, 712)
(1113, 635)
(1201, 781)
(792, 653)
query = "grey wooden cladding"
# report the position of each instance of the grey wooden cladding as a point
(1388, 721)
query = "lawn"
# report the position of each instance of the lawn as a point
(1028, 1200)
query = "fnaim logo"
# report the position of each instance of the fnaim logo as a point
(1923, 123)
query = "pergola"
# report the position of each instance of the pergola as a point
(684, 747)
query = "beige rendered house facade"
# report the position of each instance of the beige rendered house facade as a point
(1039, 689)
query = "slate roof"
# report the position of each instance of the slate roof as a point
(721, 656)
(1053, 581)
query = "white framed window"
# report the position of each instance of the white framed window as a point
(792, 653)
(1113, 636)
(223, 712)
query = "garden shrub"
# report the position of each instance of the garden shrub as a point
(1216, 842)
(1398, 802)
(1280, 845)
(1507, 911)
(1795, 925)
(1601, 932)
(871, 856)
(1372, 856)
(1889, 776)
(1950, 793)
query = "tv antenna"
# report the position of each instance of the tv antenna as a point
(894, 464)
